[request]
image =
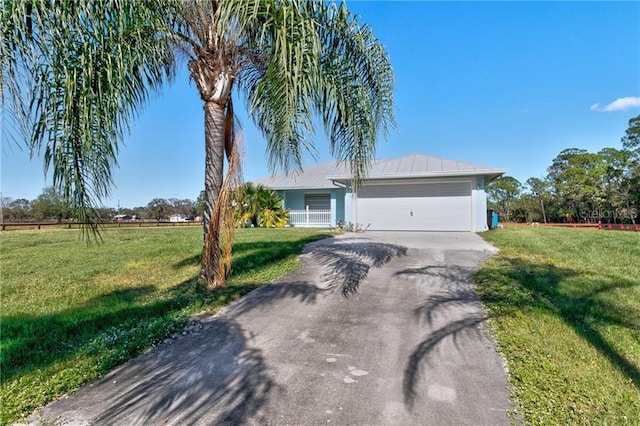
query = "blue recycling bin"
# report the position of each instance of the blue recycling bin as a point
(492, 219)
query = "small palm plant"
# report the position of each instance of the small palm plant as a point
(259, 206)
(277, 218)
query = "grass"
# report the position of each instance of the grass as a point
(71, 311)
(565, 309)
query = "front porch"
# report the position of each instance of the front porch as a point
(310, 218)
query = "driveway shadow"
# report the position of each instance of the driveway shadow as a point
(342, 265)
(453, 299)
(212, 377)
(264, 296)
(347, 262)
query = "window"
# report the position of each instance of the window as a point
(317, 201)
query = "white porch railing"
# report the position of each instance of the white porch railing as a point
(310, 217)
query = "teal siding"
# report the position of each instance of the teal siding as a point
(339, 208)
(294, 200)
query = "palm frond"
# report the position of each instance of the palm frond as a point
(356, 93)
(89, 67)
(304, 59)
(279, 75)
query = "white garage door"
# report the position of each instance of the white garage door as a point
(416, 207)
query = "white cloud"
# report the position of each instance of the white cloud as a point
(620, 104)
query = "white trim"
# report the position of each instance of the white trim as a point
(310, 218)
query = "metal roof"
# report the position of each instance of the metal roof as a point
(409, 166)
(312, 177)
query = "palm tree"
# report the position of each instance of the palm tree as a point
(292, 61)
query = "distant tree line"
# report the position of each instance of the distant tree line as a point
(580, 187)
(256, 206)
(50, 205)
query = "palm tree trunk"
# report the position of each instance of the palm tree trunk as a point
(214, 124)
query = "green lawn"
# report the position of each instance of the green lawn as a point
(565, 309)
(71, 311)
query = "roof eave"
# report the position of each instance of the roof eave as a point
(301, 187)
(489, 173)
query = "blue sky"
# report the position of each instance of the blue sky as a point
(506, 84)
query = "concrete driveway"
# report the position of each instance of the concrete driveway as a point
(378, 328)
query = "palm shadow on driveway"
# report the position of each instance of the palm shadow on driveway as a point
(188, 378)
(453, 298)
(347, 262)
(344, 264)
